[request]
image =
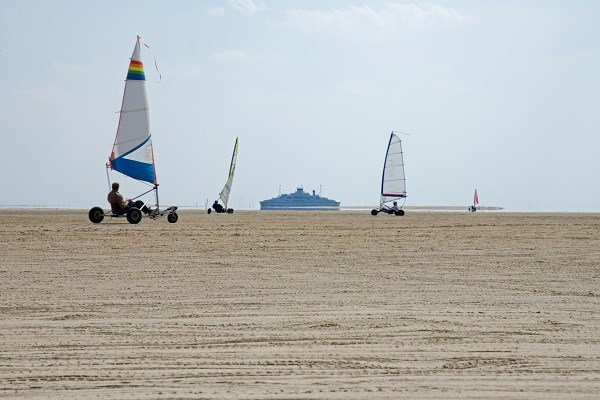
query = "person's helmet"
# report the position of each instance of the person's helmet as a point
(115, 185)
(395, 203)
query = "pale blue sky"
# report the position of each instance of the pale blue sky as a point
(497, 95)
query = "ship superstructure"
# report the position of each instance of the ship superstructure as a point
(300, 200)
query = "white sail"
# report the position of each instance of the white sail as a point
(132, 153)
(393, 181)
(224, 195)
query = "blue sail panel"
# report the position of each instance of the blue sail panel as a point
(135, 169)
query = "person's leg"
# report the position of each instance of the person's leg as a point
(140, 204)
(136, 204)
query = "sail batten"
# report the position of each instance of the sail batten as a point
(130, 111)
(132, 153)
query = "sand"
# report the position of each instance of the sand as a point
(330, 305)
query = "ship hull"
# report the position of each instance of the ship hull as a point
(299, 208)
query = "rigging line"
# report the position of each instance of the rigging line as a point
(155, 63)
(140, 195)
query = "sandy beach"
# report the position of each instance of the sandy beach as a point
(315, 305)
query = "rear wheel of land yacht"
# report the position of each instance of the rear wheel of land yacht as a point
(173, 217)
(96, 215)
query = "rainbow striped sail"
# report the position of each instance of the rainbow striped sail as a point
(136, 71)
(132, 153)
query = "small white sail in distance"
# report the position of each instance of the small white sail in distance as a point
(224, 195)
(393, 181)
(132, 153)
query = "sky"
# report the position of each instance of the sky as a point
(500, 96)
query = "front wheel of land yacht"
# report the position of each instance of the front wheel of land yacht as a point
(173, 217)
(134, 215)
(399, 213)
(230, 211)
(374, 212)
(209, 210)
(96, 215)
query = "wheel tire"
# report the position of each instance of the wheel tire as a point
(134, 215)
(173, 217)
(374, 212)
(96, 215)
(399, 213)
(230, 211)
(209, 211)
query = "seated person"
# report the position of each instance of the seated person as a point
(120, 205)
(390, 210)
(217, 207)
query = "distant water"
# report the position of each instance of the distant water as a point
(342, 208)
(36, 206)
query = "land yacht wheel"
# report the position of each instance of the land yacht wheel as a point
(230, 211)
(209, 211)
(134, 215)
(96, 215)
(374, 212)
(173, 217)
(399, 213)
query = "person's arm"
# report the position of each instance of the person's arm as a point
(122, 202)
